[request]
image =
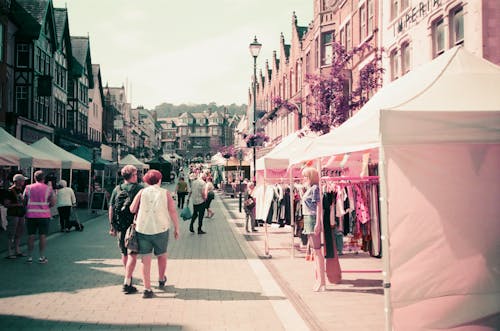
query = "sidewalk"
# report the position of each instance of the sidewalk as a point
(211, 286)
(83, 215)
(357, 304)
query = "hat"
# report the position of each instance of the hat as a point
(18, 177)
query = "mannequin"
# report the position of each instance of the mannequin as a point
(313, 224)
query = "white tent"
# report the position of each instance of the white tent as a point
(132, 160)
(437, 132)
(36, 158)
(286, 152)
(69, 160)
(218, 160)
(172, 156)
(9, 156)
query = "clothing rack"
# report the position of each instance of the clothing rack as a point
(351, 179)
(287, 181)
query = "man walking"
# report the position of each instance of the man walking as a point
(199, 195)
(38, 197)
(15, 216)
(120, 219)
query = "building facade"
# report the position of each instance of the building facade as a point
(407, 32)
(198, 135)
(415, 32)
(96, 100)
(309, 53)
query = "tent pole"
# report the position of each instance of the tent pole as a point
(384, 223)
(292, 212)
(70, 177)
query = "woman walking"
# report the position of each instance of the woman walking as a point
(182, 190)
(155, 210)
(65, 201)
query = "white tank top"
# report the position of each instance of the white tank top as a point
(153, 216)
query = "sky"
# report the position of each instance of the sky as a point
(186, 51)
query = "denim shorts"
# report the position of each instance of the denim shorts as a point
(309, 224)
(153, 243)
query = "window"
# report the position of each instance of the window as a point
(404, 4)
(316, 53)
(457, 26)
(394, 9)
(371, 13)
(394, 65)
(348, 36)
(22, 100)
(1, 42)
(326, 48)
(405, 58)
(23, 55)
(438, 36)
(362, 23)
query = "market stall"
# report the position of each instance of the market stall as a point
(435, 134)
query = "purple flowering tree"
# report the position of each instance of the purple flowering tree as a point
(331, 99)
(228, 151)
(257, 139)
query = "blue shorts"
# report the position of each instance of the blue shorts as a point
(40, 225)
(153, 243)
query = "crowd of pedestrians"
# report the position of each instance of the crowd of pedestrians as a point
(146, 207)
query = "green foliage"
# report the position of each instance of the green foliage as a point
(171, 110)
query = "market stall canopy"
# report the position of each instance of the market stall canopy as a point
(454, 98)
(132, 160)
(172, 156)
(290, 149)
(234, 162)
(68, 160)
(437, 133)
(9, 156)
(39, 159)
(218, 160)
(87, 154)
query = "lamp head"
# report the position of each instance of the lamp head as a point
(255, 47)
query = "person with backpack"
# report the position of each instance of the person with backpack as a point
(156, 213)
(120, 218)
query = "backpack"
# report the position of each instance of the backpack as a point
(122, 217)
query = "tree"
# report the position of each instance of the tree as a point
(332, 101)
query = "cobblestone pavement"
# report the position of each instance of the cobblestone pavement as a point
(211, 286)
(217, 281)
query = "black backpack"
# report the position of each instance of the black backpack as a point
(122, 217)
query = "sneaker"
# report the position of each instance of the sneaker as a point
(129, 289)
(43, 260)
(201, 232)
(29, 259)
(148, 294)
(161, 283)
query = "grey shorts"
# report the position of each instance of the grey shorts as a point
(153, 243)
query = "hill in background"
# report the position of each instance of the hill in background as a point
(171, 110)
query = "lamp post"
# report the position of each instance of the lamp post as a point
(254, 47)
(240, 158)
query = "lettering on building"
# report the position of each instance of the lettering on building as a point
(415, 14)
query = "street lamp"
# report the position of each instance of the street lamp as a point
(254, 47)
(240, 158)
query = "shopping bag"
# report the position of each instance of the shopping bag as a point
(131, 240)
(186, 213)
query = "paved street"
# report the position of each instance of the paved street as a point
(215, 282)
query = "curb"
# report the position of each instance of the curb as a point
(300, 306)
